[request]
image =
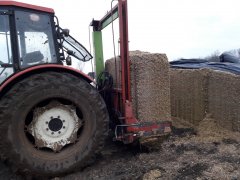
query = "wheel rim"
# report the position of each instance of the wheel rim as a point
(55, 126)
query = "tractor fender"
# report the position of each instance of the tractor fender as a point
(39, 69)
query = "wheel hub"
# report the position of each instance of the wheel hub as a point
(54, 126)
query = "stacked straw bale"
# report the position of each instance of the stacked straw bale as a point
(224, 99)
(188, 94)
(150, 87)
(196, 93)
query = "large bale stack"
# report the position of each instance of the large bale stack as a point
(224, 99)
(197, 92)
(188, 95)
(149, 85)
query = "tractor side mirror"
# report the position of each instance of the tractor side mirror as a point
(65, 32)
(70, 52)
(69, 61)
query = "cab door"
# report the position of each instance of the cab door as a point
(6, 62)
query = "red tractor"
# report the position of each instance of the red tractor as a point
(52, 119)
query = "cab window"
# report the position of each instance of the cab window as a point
(6, 68)
(35, 39)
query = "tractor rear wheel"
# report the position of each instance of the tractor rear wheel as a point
(51, 124)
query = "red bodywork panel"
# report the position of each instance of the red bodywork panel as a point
(45, 67)
(24, 5)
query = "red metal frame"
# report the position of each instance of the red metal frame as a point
(124, 54)
(45, 68)
(25, 5)
(125, 64)
(129, 128)
(134, 128)
(124, 50)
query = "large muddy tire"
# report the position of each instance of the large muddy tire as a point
(36, 142)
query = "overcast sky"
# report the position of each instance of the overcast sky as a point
(179, 28)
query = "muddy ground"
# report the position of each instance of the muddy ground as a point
(183, 155)
(180, 156)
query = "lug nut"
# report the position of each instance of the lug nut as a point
(51, 117)
(58, 117)
(63, 120)
(52, 133)
(59, 132)
(47, 129)
(46, 122)
(63, 127)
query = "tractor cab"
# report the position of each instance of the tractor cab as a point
(30, 36)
